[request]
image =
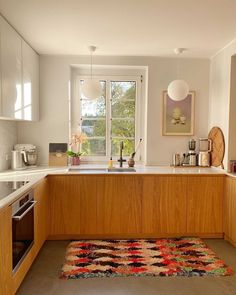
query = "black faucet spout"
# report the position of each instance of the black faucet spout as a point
(121, 160)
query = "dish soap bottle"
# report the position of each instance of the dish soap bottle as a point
(110, 163)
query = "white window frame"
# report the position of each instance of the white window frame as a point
(138, 103)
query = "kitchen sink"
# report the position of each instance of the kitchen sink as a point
(87, 170)
(121, 170)
(100, 170)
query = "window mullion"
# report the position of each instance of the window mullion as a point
(108, 109)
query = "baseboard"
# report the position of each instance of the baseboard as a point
(230, 240)
(134, 236)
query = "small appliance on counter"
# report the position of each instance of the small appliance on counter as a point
(190, 159)
(24, 156)
(204, 156)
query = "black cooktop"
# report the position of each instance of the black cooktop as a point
(8, 187)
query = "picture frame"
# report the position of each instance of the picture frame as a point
(178, 116)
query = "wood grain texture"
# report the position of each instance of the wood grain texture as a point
(164, 205)
(40, 231)
(73, 204)
(95, 204)
(5, 252)
(42, 214)
(119, 205)
(135, 205)
(19, 275)
(64, 205)
(218, 146)
(205, 204)
(230, 209)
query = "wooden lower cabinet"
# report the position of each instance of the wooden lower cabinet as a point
(164, 205)
(119, 206)
(42, 214)
(94, 205)
(205, 205)
(123, 206)
(40, 232)
(230, 210)
(6, 287)
(73, 204)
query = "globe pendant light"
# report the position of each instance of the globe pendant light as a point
(178, 89)
(91, 88)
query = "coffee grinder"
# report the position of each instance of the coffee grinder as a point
(190, 159)
(192, 156)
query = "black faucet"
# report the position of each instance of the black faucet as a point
(121, 160)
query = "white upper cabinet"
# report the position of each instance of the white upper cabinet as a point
(19, 76)
(11, 71)
(30, 83)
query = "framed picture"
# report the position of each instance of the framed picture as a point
(178, 116)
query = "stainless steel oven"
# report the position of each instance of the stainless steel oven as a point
(22, 228)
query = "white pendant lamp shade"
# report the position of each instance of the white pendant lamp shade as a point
(91, 89)
(178, 90)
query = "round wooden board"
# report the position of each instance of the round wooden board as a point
(218, 146)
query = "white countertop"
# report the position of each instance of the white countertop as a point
(36, 174)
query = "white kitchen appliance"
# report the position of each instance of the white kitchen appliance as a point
(23, 156)
(204, 156)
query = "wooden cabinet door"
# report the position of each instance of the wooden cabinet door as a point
(64, 205)
(230, 209)
(205, 204)
(164, 205)
(41, 216)
(119, 207)
(11, 71)
(6, 251)
(73, 204)
(90, 189)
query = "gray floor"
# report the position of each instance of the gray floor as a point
(42, 279)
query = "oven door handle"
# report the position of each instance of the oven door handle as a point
(19, 217)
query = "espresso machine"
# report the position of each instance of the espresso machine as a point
(190, 159)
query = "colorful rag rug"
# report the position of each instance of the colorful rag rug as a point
(159, 257)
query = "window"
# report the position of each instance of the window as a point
(110, 119)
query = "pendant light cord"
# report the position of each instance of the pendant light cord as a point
(91, 65)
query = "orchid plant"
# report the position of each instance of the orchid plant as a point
(75, 144)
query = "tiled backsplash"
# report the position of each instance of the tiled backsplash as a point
(8, 137)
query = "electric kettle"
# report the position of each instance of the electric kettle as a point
(204, 156)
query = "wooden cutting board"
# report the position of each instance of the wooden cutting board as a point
(218, 147)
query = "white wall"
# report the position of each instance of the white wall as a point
(220, 112)
(54, 79)
(8, 138)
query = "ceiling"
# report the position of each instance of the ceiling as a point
(124, 27)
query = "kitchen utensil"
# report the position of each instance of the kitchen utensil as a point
(218, 147)
(131, 161)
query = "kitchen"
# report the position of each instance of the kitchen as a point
(87, 201)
